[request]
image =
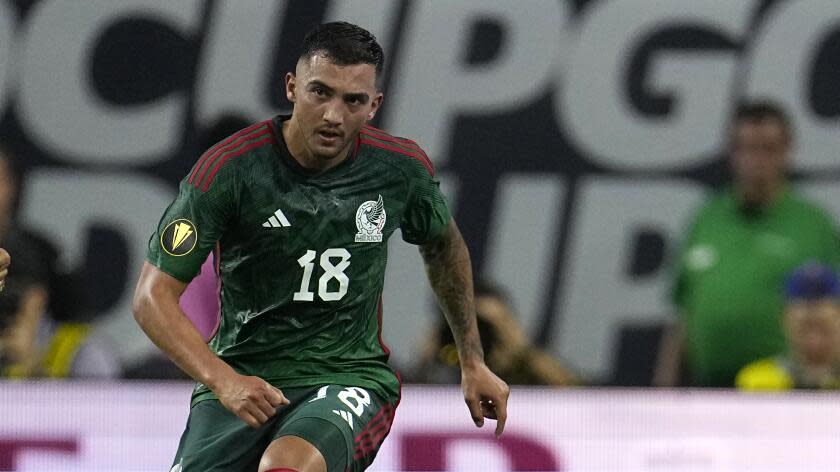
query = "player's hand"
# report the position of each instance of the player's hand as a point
(486, 395)
(252, 399)
(5, 260)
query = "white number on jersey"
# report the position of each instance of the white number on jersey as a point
(331, 271)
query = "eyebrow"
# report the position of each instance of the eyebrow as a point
(361, 96)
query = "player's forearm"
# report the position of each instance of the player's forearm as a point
(449, 270)
(161, 318)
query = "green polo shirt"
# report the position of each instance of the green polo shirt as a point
(731, 271)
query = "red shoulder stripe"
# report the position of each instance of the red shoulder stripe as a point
(235, 143)
(407, 143)
(423, 160)
(218, 146)
(239, 152)
(233, 147)
(378, 133)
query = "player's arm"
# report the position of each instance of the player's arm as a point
(158, 313)
(449, 270)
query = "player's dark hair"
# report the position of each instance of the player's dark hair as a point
(344, 44)
(760, 110)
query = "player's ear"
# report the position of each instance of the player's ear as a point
(374, 105)
(291, 87)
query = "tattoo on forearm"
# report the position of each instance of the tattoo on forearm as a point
(448, 266)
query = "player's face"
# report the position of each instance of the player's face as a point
(813, 329)
(331, 104)
(759, 152)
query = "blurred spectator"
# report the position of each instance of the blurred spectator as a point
(32, 343)
(22, 306)
(812, 329)
(507, 350)
(5, 260)
(739, 247)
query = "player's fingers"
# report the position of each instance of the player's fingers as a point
(488, 409)
(4, 258)
(475, 411)
(257, 412)
(501, 414)
(266, 408)
(275, 396)
(248, 419)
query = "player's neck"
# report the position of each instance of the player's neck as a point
(296, 144)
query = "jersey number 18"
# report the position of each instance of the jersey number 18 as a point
(331, 271)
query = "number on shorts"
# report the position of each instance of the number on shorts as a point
(357, 399)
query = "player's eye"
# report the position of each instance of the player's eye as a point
(355, 100)
(319, 91)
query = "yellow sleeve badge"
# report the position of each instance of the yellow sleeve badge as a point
(179, 238)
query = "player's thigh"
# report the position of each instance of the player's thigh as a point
(346, 424)
(217, 440)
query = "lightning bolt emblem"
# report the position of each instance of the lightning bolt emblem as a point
(182, 232)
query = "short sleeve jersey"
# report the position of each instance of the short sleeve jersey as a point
(731, 273)
(300, 256)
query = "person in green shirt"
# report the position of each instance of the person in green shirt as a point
(812, 328)
(297, 211)
(738, 249)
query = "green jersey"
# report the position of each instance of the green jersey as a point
(300, 255)
(731, 279)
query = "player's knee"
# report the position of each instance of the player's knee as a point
(291, 453)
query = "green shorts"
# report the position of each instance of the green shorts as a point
(346, 424)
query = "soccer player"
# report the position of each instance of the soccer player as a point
(298, 210)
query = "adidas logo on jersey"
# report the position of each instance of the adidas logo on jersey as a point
(277, 220)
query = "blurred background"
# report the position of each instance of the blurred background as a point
(580, 145)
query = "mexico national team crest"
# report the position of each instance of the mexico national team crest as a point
(179, 238)
(370, 219)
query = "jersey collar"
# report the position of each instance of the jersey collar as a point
(289, 161)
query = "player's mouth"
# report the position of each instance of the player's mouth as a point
(328, 137)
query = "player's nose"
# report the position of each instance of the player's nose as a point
(333, 115)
